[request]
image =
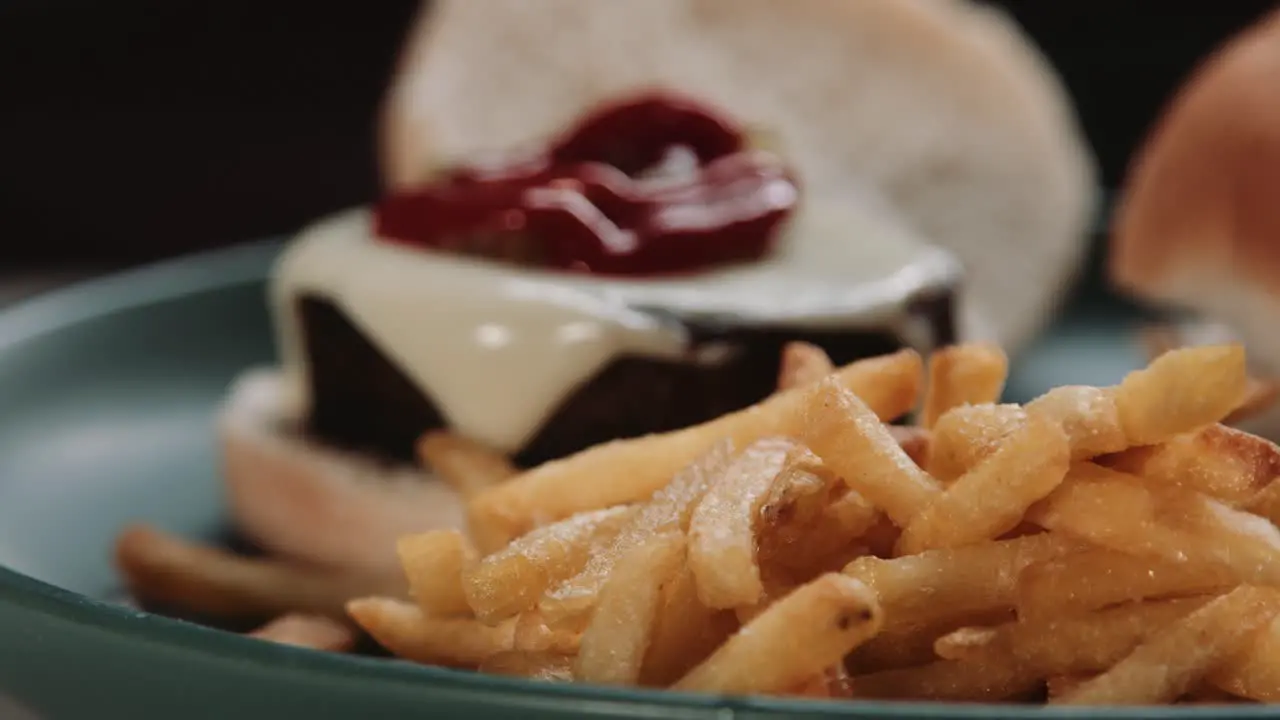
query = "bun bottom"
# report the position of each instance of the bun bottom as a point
(297, 498)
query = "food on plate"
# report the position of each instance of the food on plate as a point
(1195, 222)
(162, 568)
(612, 233)
(1108, 545)
(806, 555)
(315, 632)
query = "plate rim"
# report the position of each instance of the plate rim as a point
(171, 280)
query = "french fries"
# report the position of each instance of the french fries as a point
(798, 637)
(514, 578)
(939, 584)
(1110, 545)
(722, 529)
(671, 508)
(972, 374)
(315, 632)
(1180, 654)
(614, 644)
(992, 498)
(684, 632)
(434, 563)
(1223, 463)
(802, 364)
(1089, 416)
(405, 630)
(465, 464)
(849, 437)
(162, 568)
(1097, 578)
(966, 435)
(888, 385)
(1210, 382)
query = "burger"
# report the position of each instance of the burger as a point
(602, 220)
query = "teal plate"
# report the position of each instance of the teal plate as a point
(107, 392)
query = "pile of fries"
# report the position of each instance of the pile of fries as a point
(1111, 545)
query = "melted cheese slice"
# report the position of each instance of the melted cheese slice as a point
(498, 347)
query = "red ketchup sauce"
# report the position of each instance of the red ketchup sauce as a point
(582, 204)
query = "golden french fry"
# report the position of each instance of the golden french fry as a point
(852, 441)
(851, 515)
(1224, 463)
(1070, 645)
(434, 563)
(799, 636)
(948, 680)
(940, 584)
(532, 634)
(316, 632)
(589, 479)
(825, 541)
(969, 374)
(1106, 507)
(1173, 660)
(409, 633)
(164, 568)
(1180, 391)
(685, 632)
(1212, 532)
(1097, 577)
(966, 435)
(513, 579)
(614, 643)
(1088, 415)
(722, 529)
(991, 499)
(799, 495)
(1116, 511)
(914, 441)
(671, 508)
(548, 666)
(1253, 672)
(912, 645)
(465, 464)
(803, 364)
(1260, 394)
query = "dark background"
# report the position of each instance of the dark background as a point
(137, 129)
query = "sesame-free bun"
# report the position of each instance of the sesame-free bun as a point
(941, 106)
(324, 506)
(1198, 224)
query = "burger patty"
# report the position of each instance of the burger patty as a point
(361, 401)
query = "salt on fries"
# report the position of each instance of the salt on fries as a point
(1097, 545)
(888, 386)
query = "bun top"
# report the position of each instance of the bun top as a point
(939, 106)
(1199, 211)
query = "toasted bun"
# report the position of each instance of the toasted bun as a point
(940, 105)
(314, 503)
(1198, 222)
